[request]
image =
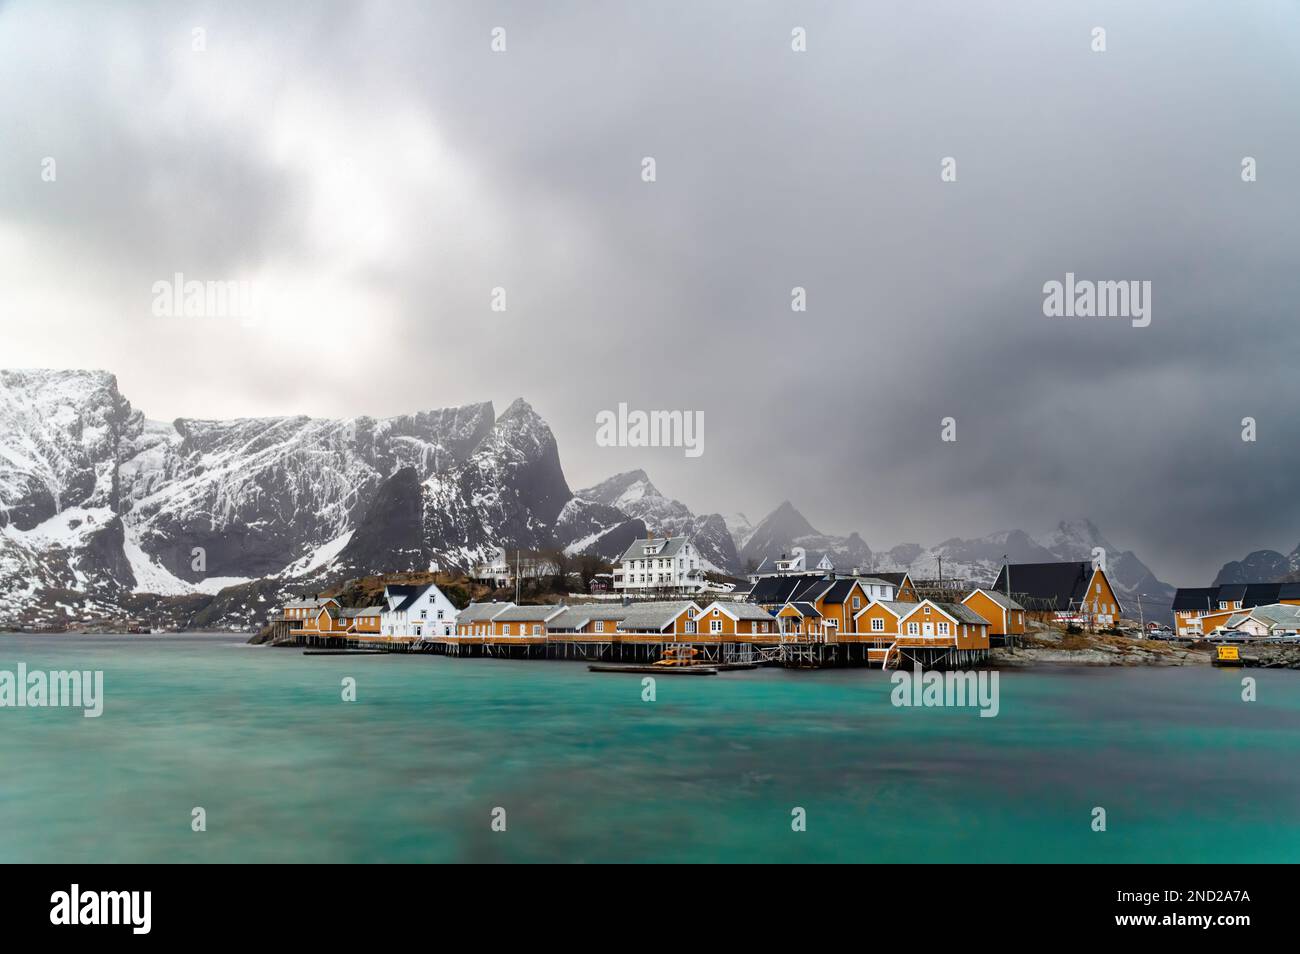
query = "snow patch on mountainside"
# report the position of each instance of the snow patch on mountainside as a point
(319, 557)
(151, 577)
(632, 493)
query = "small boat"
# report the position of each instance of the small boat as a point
(345, 653)
(678, 656)
(693, 670)
(676, 661)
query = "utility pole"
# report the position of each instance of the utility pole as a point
(1142, 621)
(1007, 563)
(516, 576)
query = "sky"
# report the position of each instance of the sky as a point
(376, 170)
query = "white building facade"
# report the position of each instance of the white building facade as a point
(660, 563)
(418, 611)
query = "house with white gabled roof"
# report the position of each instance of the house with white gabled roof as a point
(419, 610)
(660, 564)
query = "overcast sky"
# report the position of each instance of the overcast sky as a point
(377, 170)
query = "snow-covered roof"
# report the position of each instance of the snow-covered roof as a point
(529, 614)
(654, 548)
(737, 610)
(653, 616)
(481, 612)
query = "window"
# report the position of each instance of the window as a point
(505, 629)
(943, 629)
(600, 625)
(927, 611)
(715, 626)
(439, 614)
(913, 628)
(857, 602)
(424, 614)
(877, 625)
(537, 629)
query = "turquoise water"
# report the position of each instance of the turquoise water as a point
(587, 771)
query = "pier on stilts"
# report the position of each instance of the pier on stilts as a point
(850, 650)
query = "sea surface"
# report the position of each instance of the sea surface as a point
(712, 770)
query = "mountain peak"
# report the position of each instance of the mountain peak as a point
(519, 408)
(621, 490)
(790, 521)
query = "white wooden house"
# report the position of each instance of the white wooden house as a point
(420, 610)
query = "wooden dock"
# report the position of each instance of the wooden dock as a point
(618, 651)
(656, 670)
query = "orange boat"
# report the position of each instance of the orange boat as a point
(674, 656)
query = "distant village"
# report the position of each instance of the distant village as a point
(658, 599)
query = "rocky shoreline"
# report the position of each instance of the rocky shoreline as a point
(1271, 657)
(1050, 646)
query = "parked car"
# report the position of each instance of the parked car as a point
(1161, 633)
(1222, 635)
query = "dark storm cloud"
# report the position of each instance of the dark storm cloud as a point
(470, 170)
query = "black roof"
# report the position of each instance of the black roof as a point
(1195, 597)
(774, 590)
(1062, 586)
(1260, 594)
(1250, 595)
(895, 578)
(806, 609)
(839, 591)
(409, 593)
(813, 590)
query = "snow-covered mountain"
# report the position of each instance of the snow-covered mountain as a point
(100, 506)
(105, 513)
(740, 528)
(1261, 566)
(975, 560)
(785, 528)
(978, 560)
(632, 493)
